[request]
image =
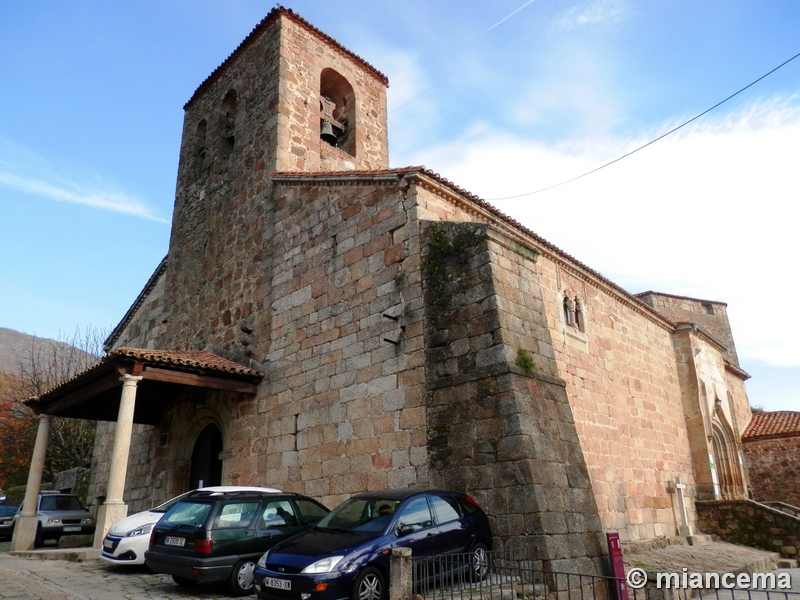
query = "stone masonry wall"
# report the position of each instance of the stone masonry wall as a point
(139, 493)
(774, 468)
(711, 316)
(498, 428)
(624, 391)
(750, 524)
(343, 411)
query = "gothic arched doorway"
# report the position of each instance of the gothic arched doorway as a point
(206, 469)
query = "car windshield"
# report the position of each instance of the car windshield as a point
(193, 514)
(162, 508)
(7, 510)
(60, 503)
(368, 516)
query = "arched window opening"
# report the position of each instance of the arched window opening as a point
(199, 154)
(227, 122)
(206, 468)
(337, 111)
(579, 322)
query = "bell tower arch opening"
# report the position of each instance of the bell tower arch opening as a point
(227, 121)
(337, 121)
(206, 466)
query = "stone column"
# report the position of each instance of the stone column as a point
(25, 528)
(114, 509)
(400, 574)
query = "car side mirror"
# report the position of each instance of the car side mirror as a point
(404, 530)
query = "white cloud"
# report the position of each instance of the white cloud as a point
(595, 12)
(26, 172)
(707, 212)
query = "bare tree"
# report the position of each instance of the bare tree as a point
(42, 365)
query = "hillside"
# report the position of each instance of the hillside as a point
(16, 347)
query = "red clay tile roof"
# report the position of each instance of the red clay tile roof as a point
(342, 176)
(782, 423)
(261, 27)
(197, 361)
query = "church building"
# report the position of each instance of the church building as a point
(328, 325)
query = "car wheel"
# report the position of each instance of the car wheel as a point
(241, 582)
(369, 585)
(184, 581)
(478, 562)
(38, 540)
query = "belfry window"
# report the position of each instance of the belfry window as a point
(337, 111)
(227, 123)
(199, 153)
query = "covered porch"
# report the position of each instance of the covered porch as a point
(129, 385)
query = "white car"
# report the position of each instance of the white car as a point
(128, 540)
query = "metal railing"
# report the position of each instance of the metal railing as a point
(515, 576)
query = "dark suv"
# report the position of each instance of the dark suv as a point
(218, 536)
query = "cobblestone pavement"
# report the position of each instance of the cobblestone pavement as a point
(24, 578)
(37, 578)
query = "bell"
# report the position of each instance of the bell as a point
(326, 132)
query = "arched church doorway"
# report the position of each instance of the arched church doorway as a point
(206, 469)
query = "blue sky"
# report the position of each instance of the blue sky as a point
(501, 102)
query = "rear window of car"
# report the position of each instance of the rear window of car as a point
(60, 503)
(236, 514)
(187, 513)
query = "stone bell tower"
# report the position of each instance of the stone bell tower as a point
(289, 98)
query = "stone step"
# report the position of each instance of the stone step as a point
(787, 563)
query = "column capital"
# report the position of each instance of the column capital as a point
(44, 417)
(129, 379)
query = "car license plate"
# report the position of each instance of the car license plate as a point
(281, 584)
(175, 541)
(108, 544)
(72, 528)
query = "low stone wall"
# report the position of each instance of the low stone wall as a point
(750, 523)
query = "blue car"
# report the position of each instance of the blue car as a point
(346, 555)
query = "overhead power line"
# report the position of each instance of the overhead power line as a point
(661, 137)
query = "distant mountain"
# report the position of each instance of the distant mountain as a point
(16, 346)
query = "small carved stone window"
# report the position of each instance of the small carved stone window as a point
(573, 312)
